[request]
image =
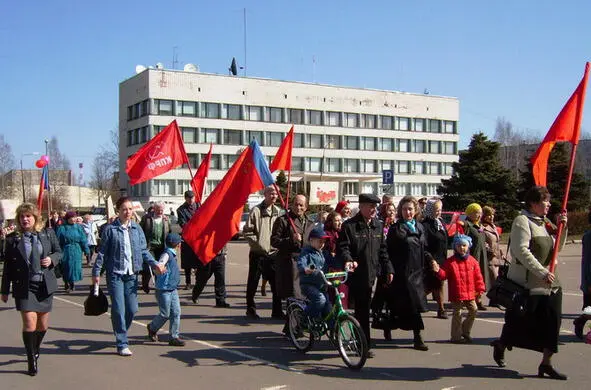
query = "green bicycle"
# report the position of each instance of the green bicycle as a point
(346, 333)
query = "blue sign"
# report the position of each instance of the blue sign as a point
(388, 176)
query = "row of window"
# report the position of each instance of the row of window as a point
(311, 141)
(287, 115)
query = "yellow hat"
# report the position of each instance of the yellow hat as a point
(473, 208)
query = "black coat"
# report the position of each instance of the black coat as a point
(364, 244)
(409, 260)
(188, 258)
(436, 240)
(16, 269)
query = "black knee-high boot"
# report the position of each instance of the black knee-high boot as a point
(30, 341)
(40, 334)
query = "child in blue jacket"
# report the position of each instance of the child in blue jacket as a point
(310, 263)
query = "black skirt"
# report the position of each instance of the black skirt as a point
(536, 329)
(38, 299)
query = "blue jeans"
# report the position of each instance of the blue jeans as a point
(170, 309)
(318, 303)
(123, 293)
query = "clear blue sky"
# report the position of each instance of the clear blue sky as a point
(61, 61)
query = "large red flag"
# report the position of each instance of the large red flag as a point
(282, 160)
(198, 181)
(162, 153)
(218, 219)
(566, 127)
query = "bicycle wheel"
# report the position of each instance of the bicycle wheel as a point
(351, 342)
(301, 338)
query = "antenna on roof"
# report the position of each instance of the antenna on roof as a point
(233, 69)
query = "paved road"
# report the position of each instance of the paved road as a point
(225, 351)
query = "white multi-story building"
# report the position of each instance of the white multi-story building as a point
(348, 135)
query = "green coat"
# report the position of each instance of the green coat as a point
(73, 241)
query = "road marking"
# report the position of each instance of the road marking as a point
(206, 344)
(274, 387)
(451, 388)
(503, 323)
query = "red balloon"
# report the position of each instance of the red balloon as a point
(45, 158)
(40, 163)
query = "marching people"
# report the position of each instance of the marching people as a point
(167, 296)
(31, 254)
(537, 327)
(189, 260)
(436, 245)
(54, 221)
(472, 227)
(406, 294)
(465, 283)
(156, 227)
(362, 247)
(494, 253)
(91, 231)
(73, 241)
(580, 321)
(123, 250)
(334, 263)
(216, 268)
(257, 232)
(344, 208)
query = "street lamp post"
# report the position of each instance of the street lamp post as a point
(23, 173)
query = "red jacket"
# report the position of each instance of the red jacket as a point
(464, 278)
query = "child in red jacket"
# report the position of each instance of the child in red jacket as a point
(465, 284)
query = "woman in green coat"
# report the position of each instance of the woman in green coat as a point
(473, 228)
(73, 242)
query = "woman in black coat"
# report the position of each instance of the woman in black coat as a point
(29, 260)
(436, 245)
(406, 249)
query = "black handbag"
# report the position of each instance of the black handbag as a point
(507, 293)
(95, 305)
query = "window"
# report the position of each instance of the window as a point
(369, 166)
(216, 161)
(144, 108)
(136, 111)
(187, 108)
(419, 146)
(387, 122)
(274, 139)
(385, 144)
(434, 147)
(351, 165)
(369, 188)
(350, 120)
(209, 136)
(182, 186)
(419, 124)
(254, 113)
(210, 186)
(129, 113)
(315, 117)
(136, 136)
(298, 140)
(416, 189)
(400, 189)
(402, 124)
(402, 167)
(158, 129)
(233, 111)
(333, 141)
(334, 118)
(275, 114)
(297, 164)
(333, 164)
(189, 135)
(386, 165)
(314, 164)
(254, 135)
(418, 167)
(351, 143)
(314, 141)
(368, 143)
(232, 137)
(431, 189)
(210, 110)
(402, 145)
(193, 160)
(129, 137)
(368, 121)
(448, 169)
(433, 168)
(296, 116)
(163, 107)
(350, 188)
(434, 126)
(449, 147)
(449, 127)
(163, 187)
(144, 134)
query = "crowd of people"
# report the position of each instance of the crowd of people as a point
(396, 256)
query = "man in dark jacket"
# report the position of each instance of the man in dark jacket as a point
(188, 258)
(156, 227)
(362, 247)
(217, 268)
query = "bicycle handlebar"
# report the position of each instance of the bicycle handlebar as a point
(332, 275)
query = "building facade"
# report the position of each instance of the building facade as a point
(348, 135)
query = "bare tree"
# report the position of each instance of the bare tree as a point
(57, 159)
(104, 167)
(7, 163)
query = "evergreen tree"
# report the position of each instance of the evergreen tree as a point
(578, 197)
(281, 182)
(479, 177)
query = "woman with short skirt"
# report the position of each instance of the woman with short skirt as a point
(30, 256)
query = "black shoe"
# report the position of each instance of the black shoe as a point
(481, 307)
(146, 289)
(223, 304)
(252, 314)
(441, 314)
(419, 345)
(467, 338)
(579, 325)
(177, 342)
(153, 336)
(194, 298)
(387, 334)
(498, 352)
(551, 372)
(370, 354)
(188, 286)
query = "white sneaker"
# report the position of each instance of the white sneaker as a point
(125, 352)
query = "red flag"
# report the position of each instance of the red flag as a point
(218, 219)
(198, 181)
(566, 127)
(43, 185)
(282, 160)
(162, 153)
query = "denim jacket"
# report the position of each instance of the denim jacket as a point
(169, 280)
(112, 249)
(310, 256)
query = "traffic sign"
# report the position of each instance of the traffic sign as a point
(388, 176)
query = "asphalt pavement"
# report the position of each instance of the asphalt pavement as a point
(227, 351)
